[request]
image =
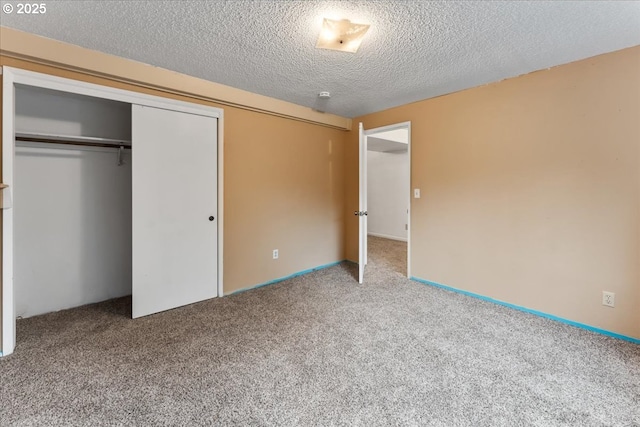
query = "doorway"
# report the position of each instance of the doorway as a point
(384, 199)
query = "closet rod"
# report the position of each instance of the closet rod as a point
(70, 142)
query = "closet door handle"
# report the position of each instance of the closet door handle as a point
(211, 218)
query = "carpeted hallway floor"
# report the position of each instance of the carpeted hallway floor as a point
(319, 350)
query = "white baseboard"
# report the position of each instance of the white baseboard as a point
(386, 236)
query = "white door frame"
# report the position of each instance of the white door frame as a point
(362, 202)
(11, 77)
(402, 125)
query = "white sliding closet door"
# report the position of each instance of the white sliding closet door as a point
(174, 178)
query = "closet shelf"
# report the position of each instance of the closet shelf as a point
(67, 139)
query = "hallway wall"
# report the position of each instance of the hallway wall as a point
(387, 194)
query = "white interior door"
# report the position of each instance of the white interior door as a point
(362, 204)
(174, 180)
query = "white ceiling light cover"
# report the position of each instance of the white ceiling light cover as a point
(342, 35)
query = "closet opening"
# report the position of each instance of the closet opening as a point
(94, 198)
(72, 200)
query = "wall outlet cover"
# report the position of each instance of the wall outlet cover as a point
(608, 299)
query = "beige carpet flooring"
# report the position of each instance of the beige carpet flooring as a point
(388, 254)
(319, 349)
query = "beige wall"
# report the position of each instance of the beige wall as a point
(530, 189)
(283, 189)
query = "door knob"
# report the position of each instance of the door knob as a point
(211, 218)
(355, 213)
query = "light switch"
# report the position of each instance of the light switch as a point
(416, 193)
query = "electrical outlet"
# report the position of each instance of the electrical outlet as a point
(275, 254)
(608, 299)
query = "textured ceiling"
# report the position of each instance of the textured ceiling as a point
(414, 49)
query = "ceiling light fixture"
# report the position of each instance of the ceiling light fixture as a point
(342, 35)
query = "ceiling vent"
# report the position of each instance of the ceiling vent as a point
(342, 35)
